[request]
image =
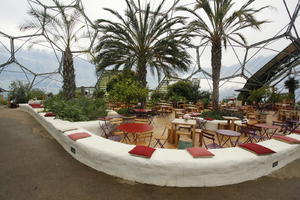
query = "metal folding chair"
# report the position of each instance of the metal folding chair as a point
(162, 140)
(211, 137)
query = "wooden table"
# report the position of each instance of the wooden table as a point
(229, 134)
(189, 122)
(230, 120)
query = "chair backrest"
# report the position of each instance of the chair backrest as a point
(143, 136)
(105, 131)
(116, 121)
(208, 136)
(249, 130)
(141, 120)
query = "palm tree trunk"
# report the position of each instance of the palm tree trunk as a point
(142, 75)
(68, 75)
(216, 56)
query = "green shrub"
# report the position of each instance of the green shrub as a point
(218, 115)
(99, 93)
(36, 93)
(19, 92)
(128, 91)
(77, 109)
(187, 89)
(124, 111)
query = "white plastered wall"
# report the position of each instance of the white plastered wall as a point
(167, 167)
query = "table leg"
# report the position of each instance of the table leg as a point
(193, 135)
(174, 134)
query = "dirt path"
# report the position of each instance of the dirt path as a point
(33, 166)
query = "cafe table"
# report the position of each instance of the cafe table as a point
(225, 136)
(230, 120)
(267, 129)
(188, 122)
(134, 128)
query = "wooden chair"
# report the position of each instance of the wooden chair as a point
(141, 138)
(179, 133)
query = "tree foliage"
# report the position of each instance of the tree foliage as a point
(186, 90)
(128, 91)
(223, 24)
(61, 30)
(145, 38)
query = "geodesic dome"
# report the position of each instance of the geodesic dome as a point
(240, 62)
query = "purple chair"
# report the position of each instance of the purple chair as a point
(253, 134)
(106, 132)
(211, 137)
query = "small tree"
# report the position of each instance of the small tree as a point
(259, 95)
(186, 90)
(128, 91)
(291, 84)
(19, 92)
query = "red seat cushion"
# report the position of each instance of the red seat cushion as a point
(198, 152)
(256, 148)
(296, 131)
(286, 139)
(50, 114)
(77, 136)
(35, 105)
(142, 151)
(209, 119)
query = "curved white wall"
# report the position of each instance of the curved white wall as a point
(168, 167)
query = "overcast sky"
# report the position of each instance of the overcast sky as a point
(13, 14)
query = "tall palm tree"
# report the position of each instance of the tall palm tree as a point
(291, 84)
(143, 39)
(223, 23)
(62, 31)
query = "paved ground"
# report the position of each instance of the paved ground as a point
(33, 166)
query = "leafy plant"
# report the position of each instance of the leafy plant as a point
(128, 91)
(36, 93)
(259, 96)
(218, 115)
(186, 90)
(99, 93)
(124, 111)
(19, 92)
(291, 84)
(77, 109)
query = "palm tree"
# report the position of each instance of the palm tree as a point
(143, 39)
(291, 84)
(223, 23)
(61, 30)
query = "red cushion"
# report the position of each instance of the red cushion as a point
(50, 114)
(209, 119)
(256, 148)
(198, 152)
(142, 151)
(35, 105)
(286, 139)
(77, 136)
(296, 131)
